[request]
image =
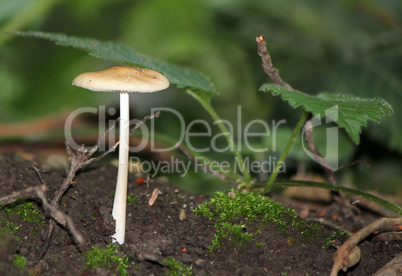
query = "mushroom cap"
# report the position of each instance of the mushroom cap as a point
(122, 79)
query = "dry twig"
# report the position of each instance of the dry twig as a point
(77, 160)
(324, 164)
(269, 69)
(146, 118)
(39, 192)
(349, 254)
(81, 158)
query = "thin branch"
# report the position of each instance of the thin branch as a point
(146, 118)
(40, 177)
(98, 142)
(352, 164)
(269, 69)
(39, 192)
(26, 193)
(62, 218)
(311, 145)
(349, 254)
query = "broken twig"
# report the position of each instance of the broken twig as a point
(349, 254)
(269, 69)
(317, 155)
(39, 192)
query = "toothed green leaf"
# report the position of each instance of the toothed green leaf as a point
(178, 75)
(349, 112)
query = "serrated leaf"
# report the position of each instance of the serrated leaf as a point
(178, 75)
(349, 112)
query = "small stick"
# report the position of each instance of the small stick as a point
(39, 192)
(324, 164)
(346, 255)
(77, 160)
(146, 118)
(38, 173)
(269, 69)
(26, 193)
(352, 164)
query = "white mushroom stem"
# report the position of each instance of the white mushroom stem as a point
(120, 197)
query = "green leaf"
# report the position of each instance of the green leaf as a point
(180, 76)
(349, 112)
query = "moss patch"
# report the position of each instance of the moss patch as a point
(25, 209)
(19, 261)
(176, 268)
(105, 257)
(234, 212)
(132, 198)
(338, 235)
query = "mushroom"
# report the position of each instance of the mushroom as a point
(122, 79)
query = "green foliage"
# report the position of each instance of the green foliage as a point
(349, 112)
(245, 208)
(334, 236)
(103, 257)
(182, 77)
(13, 227)
(176, 268)
(132, 198)
(26, 210)
(19, 261)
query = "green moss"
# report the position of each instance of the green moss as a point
(104, 257)
(176, 268)
(26, 210)
(132, 198)
(243, 209)
(19, 261)
(13, 227)
(335, 236)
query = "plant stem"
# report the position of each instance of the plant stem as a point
(120, 198)
(285, 152)
(206, 104)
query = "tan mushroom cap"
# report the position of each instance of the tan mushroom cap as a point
(122, 79)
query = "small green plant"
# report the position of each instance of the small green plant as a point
(25, 210)
(245, 208)
(19, 261)
(104, 257)
(132, 198)
(176, 268)
(335, 236)
(13, 227)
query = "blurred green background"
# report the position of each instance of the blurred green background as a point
(350, 47)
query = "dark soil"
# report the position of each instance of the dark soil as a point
(155, 233)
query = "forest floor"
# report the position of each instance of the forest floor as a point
(167, 237)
